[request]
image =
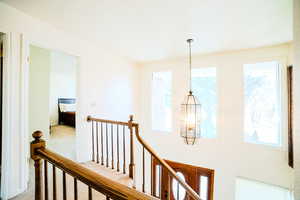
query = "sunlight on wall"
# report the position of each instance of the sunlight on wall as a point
(249, 190)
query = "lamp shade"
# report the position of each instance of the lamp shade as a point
(190, 128)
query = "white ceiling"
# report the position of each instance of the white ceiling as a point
(144, 30)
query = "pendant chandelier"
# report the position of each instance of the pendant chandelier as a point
(190, 111)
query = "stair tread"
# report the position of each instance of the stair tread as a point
(109, 173)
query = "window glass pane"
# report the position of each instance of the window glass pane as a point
(203, 187)
(204, 87)
(249, 190)
(178, 190)
(161, 101)
(262, 103)
(158, 180)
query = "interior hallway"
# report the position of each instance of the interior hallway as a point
(63, 141)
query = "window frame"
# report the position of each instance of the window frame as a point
(282, 97)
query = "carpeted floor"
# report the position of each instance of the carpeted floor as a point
(62, 141)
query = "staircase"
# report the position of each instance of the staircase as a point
(121, 167)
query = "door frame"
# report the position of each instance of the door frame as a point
(14, 171)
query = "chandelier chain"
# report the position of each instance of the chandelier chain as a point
(190, 64)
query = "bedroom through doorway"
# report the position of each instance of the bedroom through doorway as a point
(52, 98)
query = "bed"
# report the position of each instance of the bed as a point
(67, 111)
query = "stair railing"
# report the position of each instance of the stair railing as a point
(103, 130)
(111, 142)
(83, 178)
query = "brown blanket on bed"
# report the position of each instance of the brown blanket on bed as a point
(67, 118)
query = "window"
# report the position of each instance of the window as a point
(161, 101)
(249, 190)
(178, 191)
(158, 174)
(204, 187)
(262, 114)
(204, 88)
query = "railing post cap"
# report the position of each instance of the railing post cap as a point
(37, 135)
(131, 117)
(38, 143)
(89, 118)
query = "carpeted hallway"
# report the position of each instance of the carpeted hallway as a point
(62, 140)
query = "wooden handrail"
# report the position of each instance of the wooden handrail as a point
(89, 118)
(94, 180)
(188, 189)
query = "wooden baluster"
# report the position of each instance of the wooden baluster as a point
(90, 193)
(112, 146)
(54, 182)
(64, 186)
(124, 151)
(118, 151)
(38, 143)
(106, 145)
(143, 169)
(131, 165)
(75, 189)
(46, 179)
(97, 141)
(102, 158)
(93, 153)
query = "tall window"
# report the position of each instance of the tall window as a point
(250, 189)
(204, 88)
(262, 114)
(161, 101)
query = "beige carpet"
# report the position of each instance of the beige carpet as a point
(62, 141)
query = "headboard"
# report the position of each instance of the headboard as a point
(62, 118)
(65, 101)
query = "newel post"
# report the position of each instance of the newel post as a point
(38, 143)
(131, 165)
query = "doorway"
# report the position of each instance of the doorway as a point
(198, 178)
(52, 98)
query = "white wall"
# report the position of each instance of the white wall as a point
(62, 81)
(39, 85)
(227, 154)
(106, 85)
(297, 97)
